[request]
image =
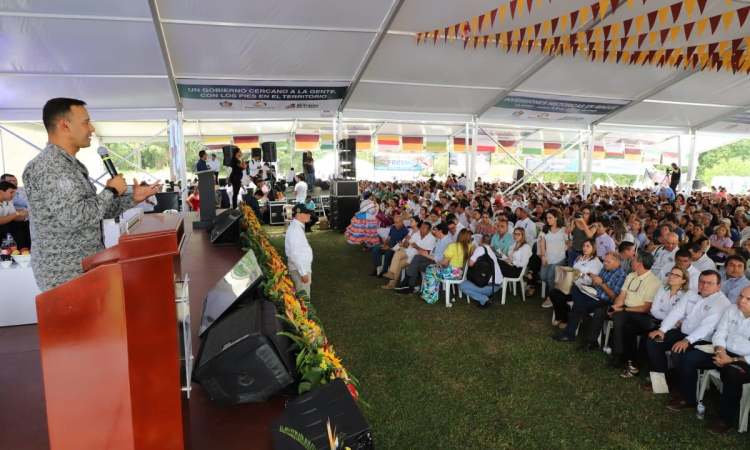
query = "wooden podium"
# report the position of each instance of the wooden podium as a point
(115, 346)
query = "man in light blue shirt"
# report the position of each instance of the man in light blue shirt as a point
(502, 239)
(666, 190)
(733, 280)
(20, 200)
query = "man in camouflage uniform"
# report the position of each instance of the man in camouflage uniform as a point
(64, 208)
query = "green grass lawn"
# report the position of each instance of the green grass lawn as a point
(465, 378)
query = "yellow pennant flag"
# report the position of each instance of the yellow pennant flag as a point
(582, 14)
(615, 45)
(657, 56)
(487, 21)
(723, 46)
(663, 15)
(727, 17)
(516, 35)
(702, 26)
(639, 23)
(729, 2)
(529, 31)
(597, 34)
(652, 38)
(673, 32)
(612, 55)
(564, 22)
(519, 9)
(475, 25)
(615, 31)
(603, 5)
(631, 42)
(630, 4)
(545, 28)
(501, 13)
(642, 57)
(690, 7)
(581, 37)
(626, 57)
(538, 3)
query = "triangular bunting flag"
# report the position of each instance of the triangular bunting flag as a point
(583, 15)
(630, 4)
(554, 23)
(619, 57)
(573, 18)
(641, 38)
(529, 4)
(486, 38)
(702, 26)
(564, 23)
(690, 51)
(663, 33)
(475, 25)
(714, 21)
(712, 48)
(589, 35)
(606, 29)
(702, 5)
(480, 22)
(690, 7)
(497, 39)
(522, 34)
(512, 7)
(603, 8)
(727, 18)
(447, 33)
(626, 27)
(537, 29)
(652, 38)
(493, 15)
(639, 23)
(673, 33)
(742, 15)
(736, 44)
(615, 4)
(688, 27)
(501, 11)
(652, 19)
(594, 9)
(663, 15)
(676, 9)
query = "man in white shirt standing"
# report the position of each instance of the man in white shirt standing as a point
(214, 165)
(699, 313)
(298, 252)
(300, 189)
(254, 165)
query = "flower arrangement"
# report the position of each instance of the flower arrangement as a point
(316, 361)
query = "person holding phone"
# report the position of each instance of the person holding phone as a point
(585, 265)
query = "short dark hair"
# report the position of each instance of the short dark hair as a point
(647, 259)
(735, 257)
(56, 109)
(201, 153)
(712, 272)
(442, 227)
(258, 193)
(6, 175)
(5, 185)
(683, 253)
(625, 246)
(694, 247)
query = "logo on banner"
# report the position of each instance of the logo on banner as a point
(225, 104)
(302, 106)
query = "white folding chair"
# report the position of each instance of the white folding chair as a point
(448, 284)
(519, 280)
(713, 376)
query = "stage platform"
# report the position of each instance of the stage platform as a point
(23, 423)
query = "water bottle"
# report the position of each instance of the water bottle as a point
(11, 243)
(608, 350)
(700, 410)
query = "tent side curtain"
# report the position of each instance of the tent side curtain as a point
(436, 144)
(483, 146)
(216, 142)
(246, 143)
(388, 143)
(364, 143)
(305, 142)
(413, 143)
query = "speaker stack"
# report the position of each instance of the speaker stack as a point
(344, 203)
(348, 158)
(269, 152)
(256, 152)
(228, 151)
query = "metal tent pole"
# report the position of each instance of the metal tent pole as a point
(183, 161)
(692, 163)
(580, 162)
(475, 142)
(590, 160)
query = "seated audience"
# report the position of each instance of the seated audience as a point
(451, 267)
(585, 265)
(382, 254)
(419, 239)
(518, 255)
(684, 260)
(733, 279)
(421, 261)
(13, 221)
(719, 244)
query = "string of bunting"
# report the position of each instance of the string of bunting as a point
(582, 39)
(731, 54)
(569, 21)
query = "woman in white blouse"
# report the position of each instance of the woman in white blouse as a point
(518, 255)
(585, 265)
(634, 324)
(552, 245)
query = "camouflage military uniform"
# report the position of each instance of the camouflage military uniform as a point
(65, 213)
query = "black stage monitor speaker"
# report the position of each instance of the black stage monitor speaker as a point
(342, 211)
(228, 153)
(269, 152)
(238, 285)
(276, 213)
(256, 152)
(242, 359)
(697, 185)
(167, 201)
(345, 188)
(519, 174)
(309, 414)
(226, 230)
(348, 144)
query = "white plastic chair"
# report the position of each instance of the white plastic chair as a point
(447, 284)
(507, 280)
(708, 377)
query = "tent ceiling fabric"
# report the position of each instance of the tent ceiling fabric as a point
(107, 52)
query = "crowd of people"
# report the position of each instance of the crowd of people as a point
(666, 272)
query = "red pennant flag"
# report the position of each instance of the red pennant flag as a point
(664, 34)
(688, 27)
(557, 42)
(635, 57)
(651, 54)
(736, 44)
(529, 44)
(595, 10)
(555, 21)
(712, 48)
(623, 43)
(497, 39)
(575, 50)
(676, 9)
(508, 37)
(455, 31)
(615, 4)
(668, 53)
(690, 51)
(434, 37)
(591, 47)
(529, 4)
(573, 19)
(419, 38)
(537, 27)
(606, 29)
(606, 45)
(606, 56)
(518, 46)
(652, 19)
(447, 32)
(476, 41)
(715, 60)
(642, 38)
(522, 33)
(481, 22)
(702, 5)
(466, 41)
(493, 14)
(678, 63)
(512, 7)
(619, 57)
(486, 38)
(589, 33)
(714, 21)
(742, 14)
(626, 27)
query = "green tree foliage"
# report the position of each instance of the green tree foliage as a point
(729, 160)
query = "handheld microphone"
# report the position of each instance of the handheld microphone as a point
(104, 153)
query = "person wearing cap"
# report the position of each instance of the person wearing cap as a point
(298, 252)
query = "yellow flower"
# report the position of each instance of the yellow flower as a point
(323, 365)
